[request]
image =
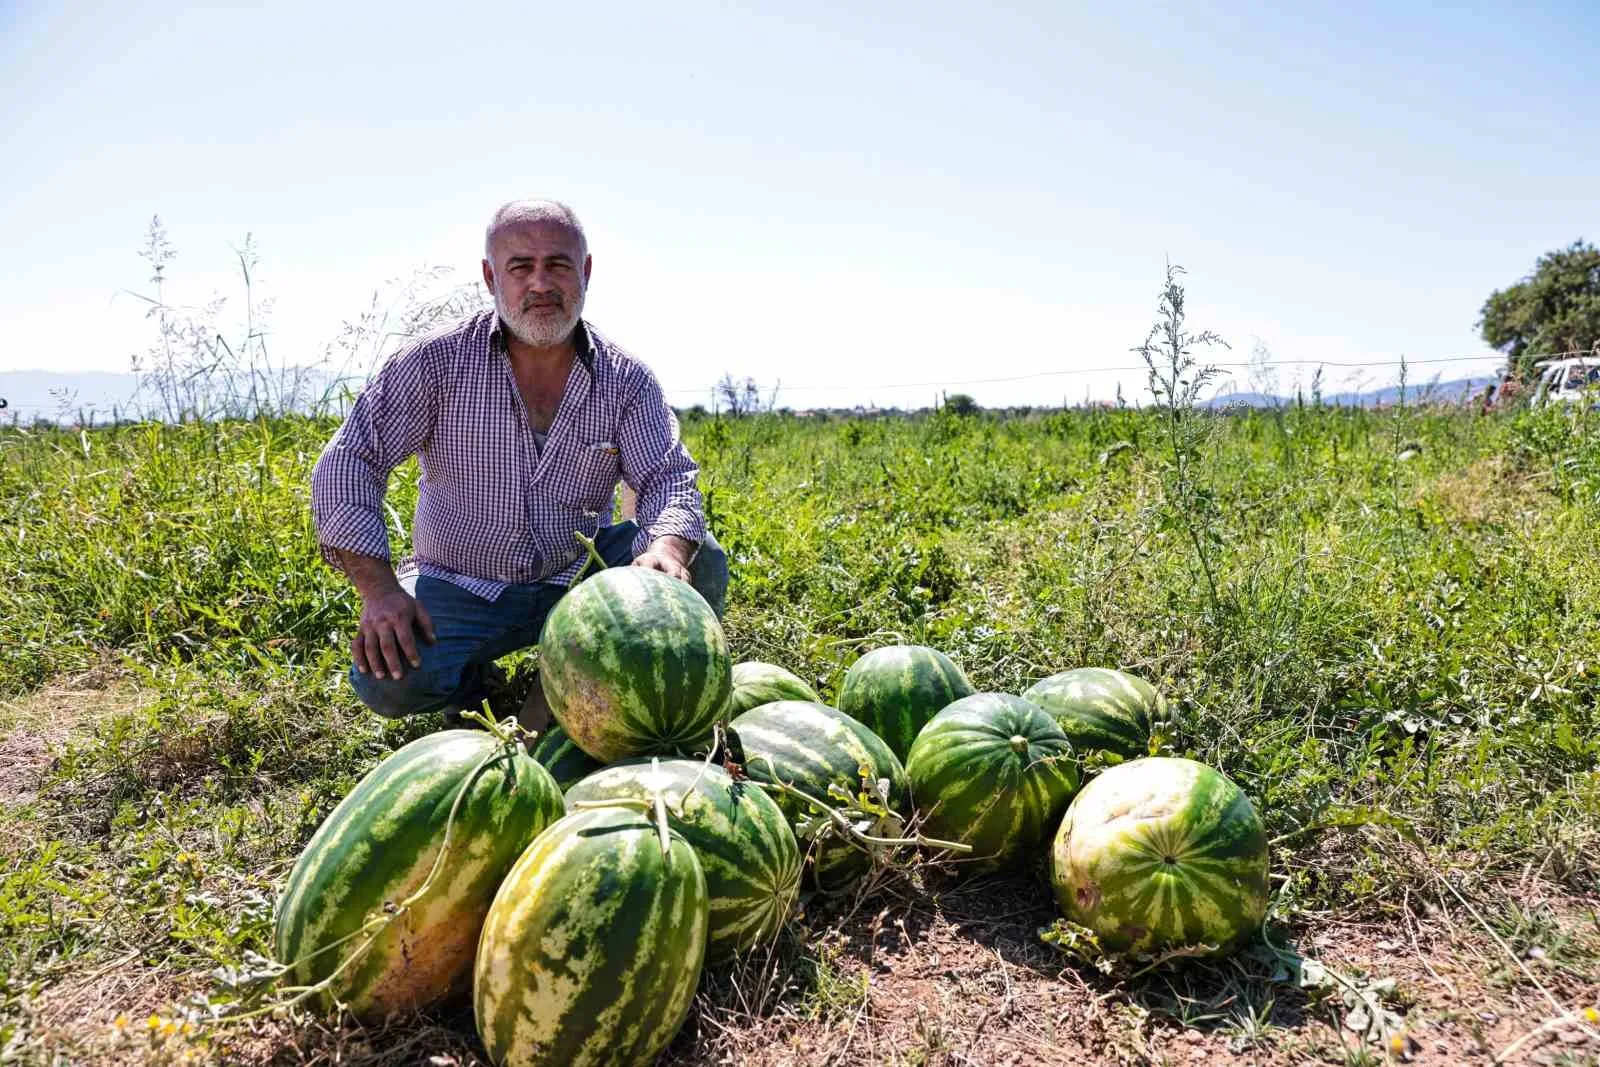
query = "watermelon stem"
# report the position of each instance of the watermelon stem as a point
(842, 822)
(594, 560)
(660, 806)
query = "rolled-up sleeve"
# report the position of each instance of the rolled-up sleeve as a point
(657, 466)
(389, 423)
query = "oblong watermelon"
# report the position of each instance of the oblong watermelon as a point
(811, 746)
(567, 763)
(992, 771)
(895, 690)
(1162, 853)
(633, 663)
(1105, 710)
(741, 837)
(756, 683)
(377, 847)
(593, 948)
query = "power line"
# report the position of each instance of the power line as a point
(1343, 365)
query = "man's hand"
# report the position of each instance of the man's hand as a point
(385, 641)
(669, 554)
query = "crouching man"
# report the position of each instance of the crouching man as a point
(523, 420)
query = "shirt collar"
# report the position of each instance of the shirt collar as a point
(580, 338)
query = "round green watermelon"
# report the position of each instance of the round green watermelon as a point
(755, 684)
(593, 947)
(567, 763)
(992, 771)
(377, 848)
(895, 690)
(633, 663)
(811, 746)
(1159, 854)
(1103, 710)
(742, 839)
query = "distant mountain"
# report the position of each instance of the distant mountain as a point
(52, 395)
(98, 396)
(1450, 392)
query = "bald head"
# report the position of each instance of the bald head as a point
(520, 213)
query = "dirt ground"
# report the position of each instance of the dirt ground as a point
(953, 973)
(961, 978)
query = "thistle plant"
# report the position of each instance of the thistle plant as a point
(1176, 379)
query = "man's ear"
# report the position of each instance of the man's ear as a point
(588, 268)
(488, 276)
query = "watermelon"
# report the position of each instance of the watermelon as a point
(744, 843)
(755, 684)
(1104, 710)
(634, 662)
(810, 747)
(593, 948)
(1159, 854)
(378, 847)
(567, 763)
(895, 690)
(992, 771)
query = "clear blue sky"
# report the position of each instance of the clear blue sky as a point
(929, 193)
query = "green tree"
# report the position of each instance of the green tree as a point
(1554, 309)
(960, 404)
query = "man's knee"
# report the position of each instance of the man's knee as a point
(708, 573)
(414, 693)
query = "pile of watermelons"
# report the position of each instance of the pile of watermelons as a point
(697, 796)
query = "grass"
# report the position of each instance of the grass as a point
(1385, 625)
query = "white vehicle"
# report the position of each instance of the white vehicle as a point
(1567, 381)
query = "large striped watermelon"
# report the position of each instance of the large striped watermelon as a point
(756, 683)
(634, 662)
(992, 771)
(744, 843)
(811, 746)
(377, 848)
(895, 690)
(567, 763)
(593, 948)
(1103, 709)
(1162, 853)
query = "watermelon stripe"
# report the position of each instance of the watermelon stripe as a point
(635, 662)
(741, 837)
(593, 948)
(973, 786)
(379, 846)
(1162, 853)
(755, 684)
(557, 753)
(895, 690)
(811, 746)
(1103, 710)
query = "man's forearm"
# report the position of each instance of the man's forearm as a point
(372, 576)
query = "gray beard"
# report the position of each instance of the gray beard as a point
(538, 334)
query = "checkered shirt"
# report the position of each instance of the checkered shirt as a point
(493, 508)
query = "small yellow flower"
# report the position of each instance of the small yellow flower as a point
(1591, 1016)
(154, 1022)
(120, 1022)
(186, 1029)
(169, 1028)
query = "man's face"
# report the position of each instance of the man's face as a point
(538, 273)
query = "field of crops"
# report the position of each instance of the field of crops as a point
(1384, 625)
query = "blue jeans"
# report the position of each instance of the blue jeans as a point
(471, 632)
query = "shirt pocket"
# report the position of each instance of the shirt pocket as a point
(588, 480)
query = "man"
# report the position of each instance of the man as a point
(523, 419)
